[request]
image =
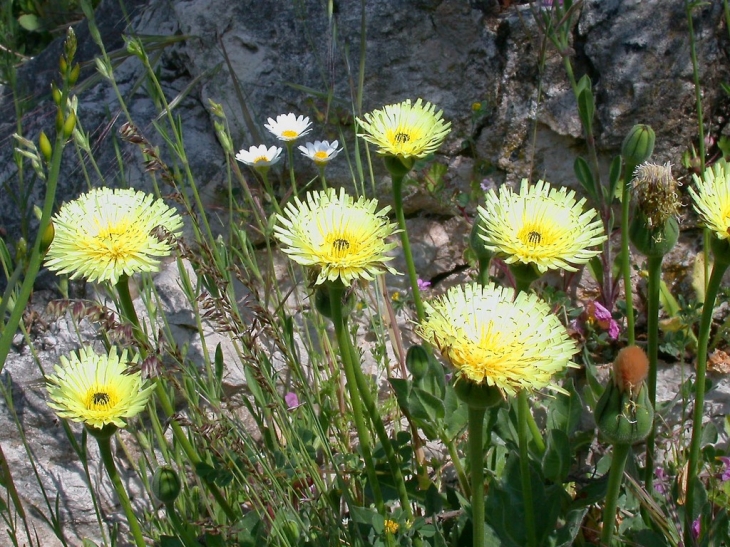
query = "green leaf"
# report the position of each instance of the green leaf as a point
(170, 541)
(556, 461)
(614, 177)
(709, 434)
(219, 364)
(30, 22)
(585, 176)
(457, 414)
(428, 409)
(564, 411)
(88, 543)
(586, 105)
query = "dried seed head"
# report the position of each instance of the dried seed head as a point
(656, 193)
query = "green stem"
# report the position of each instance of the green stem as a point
(460, 474)
(269, 189)
(412, 276)
(336, 291)
(615, 478)
(290, 156)
(625, 254)
(105, 449)
(722, 261)
(655, 277)
(367, 399)
(523, 410)
(476, 465)
(125, 301)
(184, 534)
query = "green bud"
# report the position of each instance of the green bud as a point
(59, 121)
(45, 146)
(69, 124)
(638, 144)
(477, 395)
(322, 301)
(477, 244)
(21, 250)
(417, 361)
(63, 65)
(623, 418)
(69, 45)
(56, 93)
(48, 234)
(165, 484)
(73, 76)
(398, 167)
(653, 242)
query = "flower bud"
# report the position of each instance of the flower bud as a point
(47, 238)
(477, 395)
(73, 76)
(45, 146)
(417, 361)
(165, 484)
(56, 93)
(624, 414)
(69, 124)
(638, 144)
(653, 242)
(322, 301)
(477, 244)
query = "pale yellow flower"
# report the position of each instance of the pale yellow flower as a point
(337, 236)
(107, 233)
(97, 390)
(711, 199)
(491, 337)
(540, 225)
(405, 130)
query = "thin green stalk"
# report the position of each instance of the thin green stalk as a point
(722, 261)
(372, 410)
(105, 449)
(523, 410)
(264, 172)
(184, 534)
(626, 255)
(336, 292)
(652, 350)
(125, 301)
(290, 159)
(615, 478)
(412, 276)
(476, 464)
(456, 461)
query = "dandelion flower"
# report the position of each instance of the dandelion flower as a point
(259, 156)
(712, 199)
(490, 337)
(97, 390)
(405, 130)
(288, 127)
(107, 233)
(337, 236)
(320, 152)
(540, 225)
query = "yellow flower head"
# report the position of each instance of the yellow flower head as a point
(491, 337)
(97, 389)
(405, 130)
(107, 233)
(540, 225)
(338, 236)
(712, 199)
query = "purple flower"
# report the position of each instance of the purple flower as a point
(423, 285)
(725, 476)
(662, 480)
(291, 400)
(696, 528)
(605, 319)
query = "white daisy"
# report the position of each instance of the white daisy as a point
(320, 152)
(259, 156)
(287, 127)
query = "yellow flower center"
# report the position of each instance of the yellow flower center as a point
(260, 159)
(537, 237)
(339, 247)
(116, 241)
(290, 134)
(101, 398)
(494, 353)
(391, 526)
(320, 155)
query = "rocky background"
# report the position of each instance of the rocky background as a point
(263, 58)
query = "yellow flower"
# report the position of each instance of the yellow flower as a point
(712, 199)
(97, 390)
(107, 233)
(337, 236)
(488, 336)
(405, 130)
(391, 526)
(540, 225)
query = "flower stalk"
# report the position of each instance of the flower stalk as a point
(523, 411)
(476, 463)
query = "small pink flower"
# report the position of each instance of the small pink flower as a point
(604, 318)
(696, 528)
(291, 400)
(725, 475)
(423, 285)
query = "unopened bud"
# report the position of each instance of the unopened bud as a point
(73, 76)
(630, 368)
(165, 484)
(69, 124)
(45, 146)
(56, 93)
(638, 144)
(48, 234)
(477, 244)
(417, 361)
(653, 242)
